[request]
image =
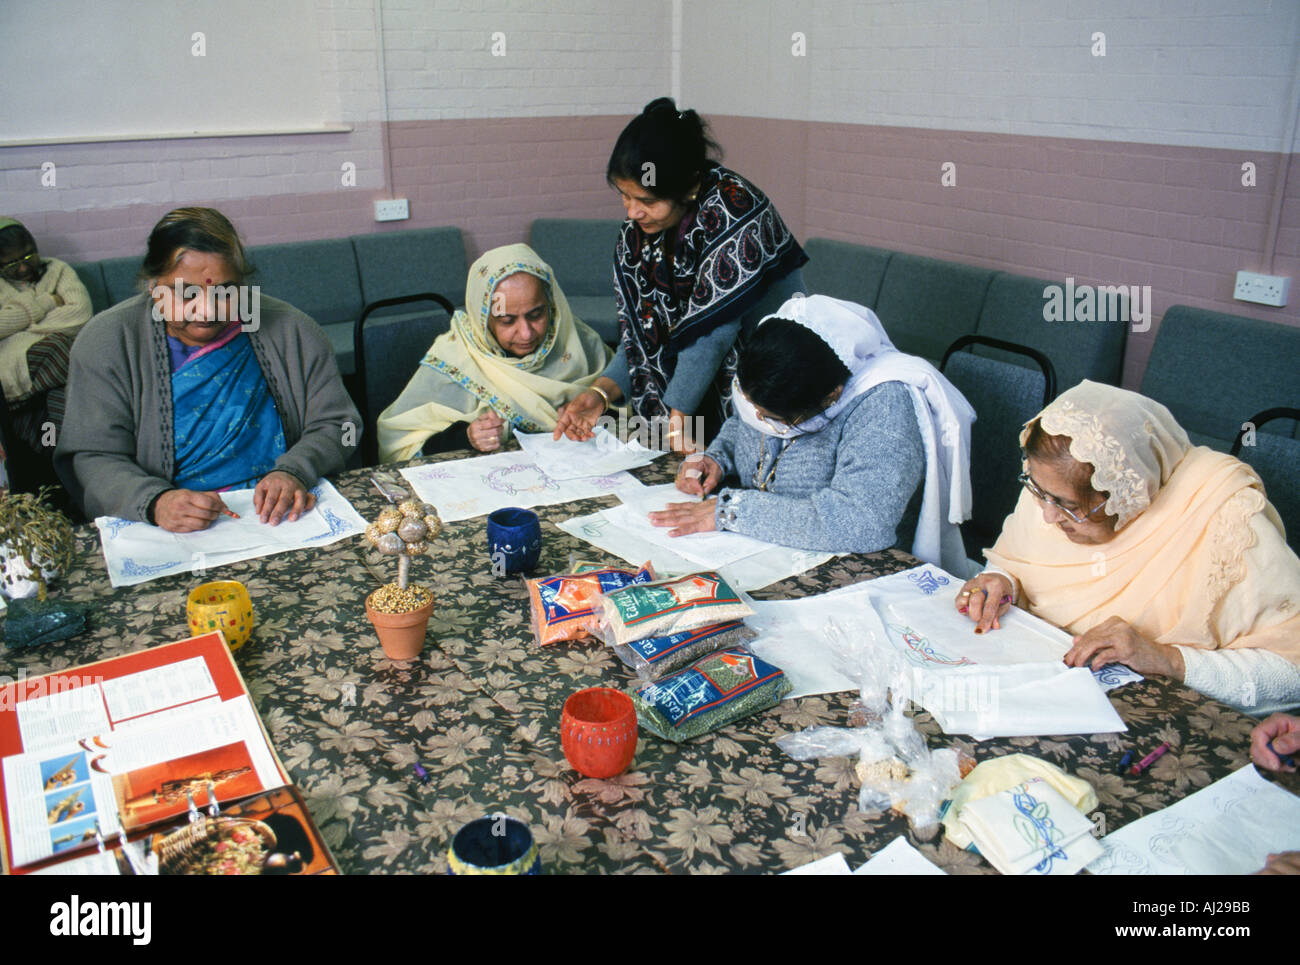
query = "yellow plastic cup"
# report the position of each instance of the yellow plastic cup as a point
(221, 605)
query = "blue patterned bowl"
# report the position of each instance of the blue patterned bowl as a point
(514, 540)
(495, 845)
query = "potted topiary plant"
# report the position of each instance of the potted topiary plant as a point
(400, 611)
(35, 544)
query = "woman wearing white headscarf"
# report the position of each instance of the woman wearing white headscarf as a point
(1158, 554)
(514, 357)
(834, 428)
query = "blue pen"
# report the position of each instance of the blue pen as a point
(1287, 760)
(1124, 762)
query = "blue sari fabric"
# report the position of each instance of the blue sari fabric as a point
(227, 430)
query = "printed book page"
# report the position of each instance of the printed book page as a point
(57, 798)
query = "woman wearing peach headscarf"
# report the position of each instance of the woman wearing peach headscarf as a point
(1160, 555)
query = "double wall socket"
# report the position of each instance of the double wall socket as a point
(1262, 289)
(396, 210)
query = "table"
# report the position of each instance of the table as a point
(480, 712)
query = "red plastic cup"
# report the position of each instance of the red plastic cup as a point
(598, 732)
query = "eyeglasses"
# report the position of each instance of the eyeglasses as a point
(10, 267)
(1052, 500)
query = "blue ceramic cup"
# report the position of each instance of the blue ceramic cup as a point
(514, 540)
(495, 845)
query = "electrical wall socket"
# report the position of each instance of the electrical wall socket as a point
(1262, 289)
(395, 210)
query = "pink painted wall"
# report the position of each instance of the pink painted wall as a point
(1175, 218)
(490, 177)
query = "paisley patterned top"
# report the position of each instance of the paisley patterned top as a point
(725, 253)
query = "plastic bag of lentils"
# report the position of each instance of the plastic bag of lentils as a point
(669, 606)
(656, 657)
(712, 692)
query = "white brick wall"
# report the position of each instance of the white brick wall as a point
(1188, 72)
(593, 57)
(587, 57)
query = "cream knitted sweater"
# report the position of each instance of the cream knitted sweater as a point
(28, 312)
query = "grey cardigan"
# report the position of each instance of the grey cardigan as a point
(116, 452)
(841, 489)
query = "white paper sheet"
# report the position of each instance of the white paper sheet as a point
(600, 455)
(923, 598)
(1228, 828)
(899, 858)
(709, 550)
(1022, 688)
(136, 552)
(790, 637)
(832, 864)
(465, 488)
(1016, 700)
(750, 573)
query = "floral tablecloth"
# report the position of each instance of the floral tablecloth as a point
(479, 711)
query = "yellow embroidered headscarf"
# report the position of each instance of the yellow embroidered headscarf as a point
(525, 392)
(1199, 556)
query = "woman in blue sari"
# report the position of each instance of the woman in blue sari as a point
(201, 385)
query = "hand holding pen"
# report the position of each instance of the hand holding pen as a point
(984, 598)
(1275, 743)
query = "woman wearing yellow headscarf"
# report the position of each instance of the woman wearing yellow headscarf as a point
(514, 357)
(1158, 554)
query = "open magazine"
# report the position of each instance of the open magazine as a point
(154, 762)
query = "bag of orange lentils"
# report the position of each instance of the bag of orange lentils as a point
(567, 606)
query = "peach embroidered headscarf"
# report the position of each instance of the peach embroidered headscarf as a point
(1199, 556)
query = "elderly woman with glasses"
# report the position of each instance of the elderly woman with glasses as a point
(1156, 554)
(42, 306)
(199, 385)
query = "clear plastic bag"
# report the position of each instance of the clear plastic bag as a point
(897, 769)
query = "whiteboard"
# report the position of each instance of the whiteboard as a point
(80, 70)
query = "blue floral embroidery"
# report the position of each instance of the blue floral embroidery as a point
(116, 525)
(1114, 674)
(338, 526)
(1037, 828)
(928, 582)
(131, 568)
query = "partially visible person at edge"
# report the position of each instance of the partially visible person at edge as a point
(171, 400)
(43, 305)
(1159, 555)
(833, 431)
(1277, 738)
(513, 357)
(702, 257)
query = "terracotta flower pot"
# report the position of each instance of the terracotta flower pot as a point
(598, 732)
(400, 634)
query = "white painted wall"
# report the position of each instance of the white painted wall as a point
(77, 68)
(1203, 73)
(589, 57)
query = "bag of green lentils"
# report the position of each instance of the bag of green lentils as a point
(656, 657)
(712, 692)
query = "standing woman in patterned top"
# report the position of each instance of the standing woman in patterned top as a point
(702, 257)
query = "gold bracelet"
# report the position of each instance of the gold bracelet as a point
(601, 392)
